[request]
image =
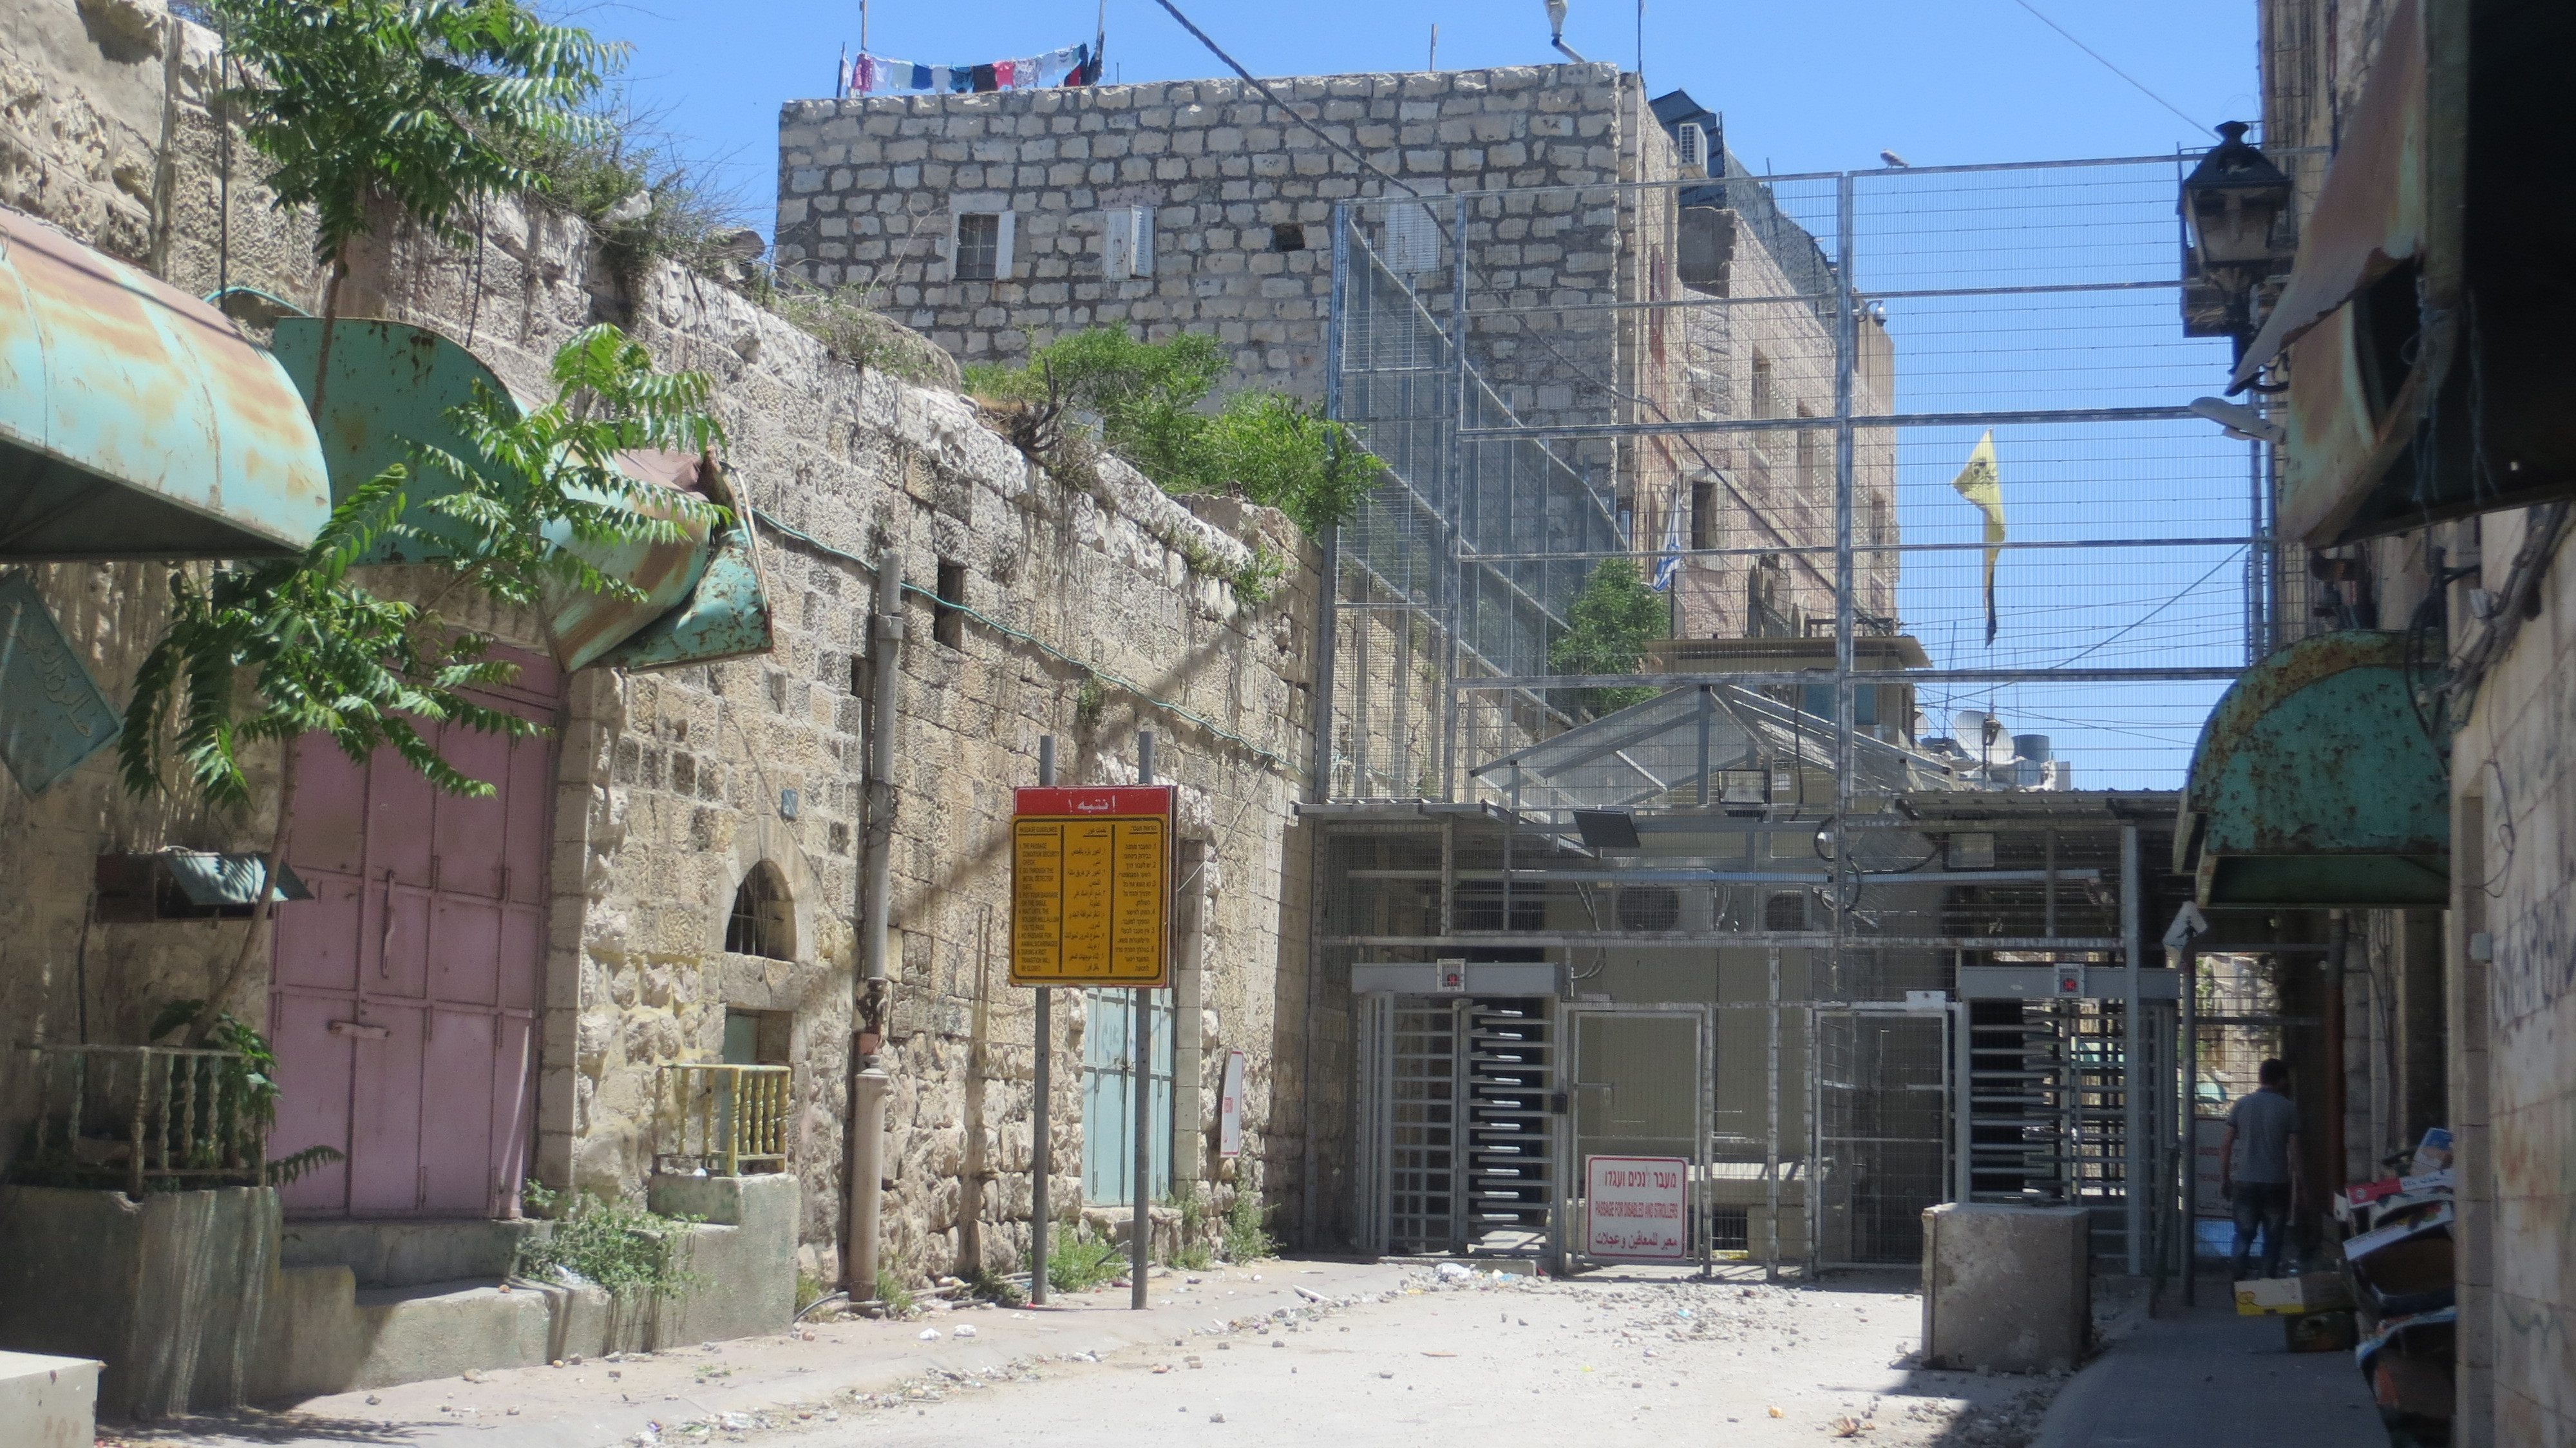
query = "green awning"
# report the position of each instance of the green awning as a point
(393, 385)
(136, 422)
(2318, 784)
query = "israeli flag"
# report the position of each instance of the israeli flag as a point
(1670, 566)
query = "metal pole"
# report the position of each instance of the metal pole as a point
(1141, 1231)
(1707, 706)
(2132, 1088)
(1042, 1104)
(2188, 1053)
(1846, 346)
(1454, 505)
(1963, 1098)
(1327, 642)
(1771, 1141)
(865, 1184)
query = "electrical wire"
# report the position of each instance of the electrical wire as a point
(2107, 65)
(1210, 726)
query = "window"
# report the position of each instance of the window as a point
(763, 922)
(947, 616)
(983, 246)
(1762, 383)
(1127, 242)
(1703, 515)
(1288, 236)
(1785, 910)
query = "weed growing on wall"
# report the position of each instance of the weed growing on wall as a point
(1247, 1235)
(891, 1292)
(632, 1253)
(1151, 399)
(1083, 1261)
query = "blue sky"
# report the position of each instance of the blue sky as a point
(1821, 85)
(1813, 87)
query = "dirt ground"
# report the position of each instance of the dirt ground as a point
(1490, 1359)
(1306, 1353)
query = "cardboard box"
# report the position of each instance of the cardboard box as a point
(2288, 1296)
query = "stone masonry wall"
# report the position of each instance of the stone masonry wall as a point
(869, 187)
(669, 784)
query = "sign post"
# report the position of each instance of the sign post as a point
(1091, 895)
(1042, 1110)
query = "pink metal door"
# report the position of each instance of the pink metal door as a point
(405, 997)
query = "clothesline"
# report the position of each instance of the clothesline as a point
(878, 75)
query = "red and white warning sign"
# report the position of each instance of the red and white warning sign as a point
(1639, 1208)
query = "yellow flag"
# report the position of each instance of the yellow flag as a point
(1982, 484)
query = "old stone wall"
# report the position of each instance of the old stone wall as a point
(1099, 610)
(2512, 1005)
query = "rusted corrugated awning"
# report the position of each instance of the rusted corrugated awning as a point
(2370, 216)
(2315, 783)
(393, 386)
(135, 422)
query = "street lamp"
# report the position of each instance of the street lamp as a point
(1556, 28)
(2232, 203)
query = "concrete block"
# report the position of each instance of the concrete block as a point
(48, 1402)
(2008, 1289)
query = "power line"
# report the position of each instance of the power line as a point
(1272, 96)
(2107, 65)
(2159, 608)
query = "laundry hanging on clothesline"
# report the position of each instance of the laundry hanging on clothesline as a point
(878, 75)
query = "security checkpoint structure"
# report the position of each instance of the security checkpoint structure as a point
(1758, 915)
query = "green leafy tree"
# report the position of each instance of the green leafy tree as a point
(1611, 621)
(432, 105)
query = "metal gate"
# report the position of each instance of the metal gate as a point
(1882, 1110)
(1640, 1091)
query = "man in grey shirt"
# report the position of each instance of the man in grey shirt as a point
(2258, 1169)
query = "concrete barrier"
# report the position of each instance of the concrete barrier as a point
(48, 1402)
(2007, 1289)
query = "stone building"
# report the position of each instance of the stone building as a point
(994, 221)
(671, 874)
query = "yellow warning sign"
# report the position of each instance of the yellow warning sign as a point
(1091, 892)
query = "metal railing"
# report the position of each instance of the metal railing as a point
(721, 1120)
(148, 1114)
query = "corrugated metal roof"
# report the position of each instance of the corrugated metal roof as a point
(135, 421)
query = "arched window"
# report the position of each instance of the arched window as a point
(764, 919)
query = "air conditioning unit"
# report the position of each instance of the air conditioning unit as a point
(1690, 140)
